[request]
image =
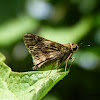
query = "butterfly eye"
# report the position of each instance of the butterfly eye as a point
(75, 48)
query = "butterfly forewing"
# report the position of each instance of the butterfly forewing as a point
(42, 50)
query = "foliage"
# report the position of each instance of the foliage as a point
(32, 85)
(66, 21)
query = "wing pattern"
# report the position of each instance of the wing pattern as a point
(41, 49)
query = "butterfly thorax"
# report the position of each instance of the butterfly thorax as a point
(65, 52)
(68, 49)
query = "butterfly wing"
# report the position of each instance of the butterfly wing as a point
(42, 50)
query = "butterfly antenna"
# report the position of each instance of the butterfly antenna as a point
(82, 45)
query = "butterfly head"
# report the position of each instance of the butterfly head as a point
(74, 47)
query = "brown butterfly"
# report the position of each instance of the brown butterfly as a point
(44, 51)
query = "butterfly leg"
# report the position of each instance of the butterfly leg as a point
(58, 64)
(67, 61)
(49, 72)
(73, 58)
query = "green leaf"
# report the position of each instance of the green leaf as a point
(33, 85)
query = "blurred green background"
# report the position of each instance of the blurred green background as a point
(63, 21)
